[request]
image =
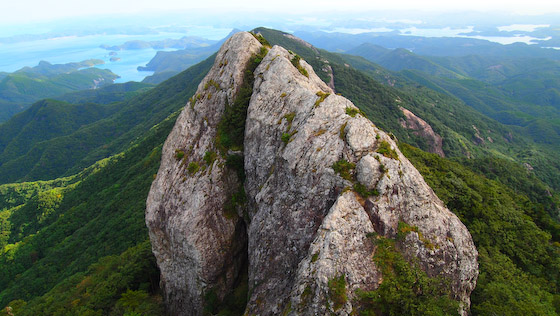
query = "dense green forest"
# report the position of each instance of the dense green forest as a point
(63, 227)
(73, 239)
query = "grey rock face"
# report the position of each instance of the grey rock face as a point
(340, 248)
(289, 183)
(305, 225)
(296, 202)
(197, 247)
(424, 130)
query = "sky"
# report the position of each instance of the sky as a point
(27, 11)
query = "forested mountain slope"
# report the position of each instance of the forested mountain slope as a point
(27, 85)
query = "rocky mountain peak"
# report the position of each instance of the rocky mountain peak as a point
(320, 195)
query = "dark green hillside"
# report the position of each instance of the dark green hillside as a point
(103, 95)
(514, 91)
(68, 153)
(45, 120)
(44, 68)
(56, 235)
(108, 94)
(65, 227)
(8, 109)
(399, 59)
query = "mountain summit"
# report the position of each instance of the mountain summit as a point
(276, 190)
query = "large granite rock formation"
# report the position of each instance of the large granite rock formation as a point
(306, 151)
(197, 247)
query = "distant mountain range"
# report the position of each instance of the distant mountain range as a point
(167, 64)
(18, 90)
(182, 43)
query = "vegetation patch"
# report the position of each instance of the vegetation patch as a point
(337, 291)
(261, 39)
(287, 137)
(237, 163)
(295, 62)
(382, 168)
(315, 256)
(406, 289)
(404, 229)
(342, 133)
(287, 309)
(231, 129)
(209, 157)
(386, 150)
(95, 291)
(211, 83)
(322, 96)
(289, 117)
(363, 191)
(306, 292)
(352, 111)
(320, 132)
(233, 303)
(344, 169)
(236, 200)
(179, 154)
(193, 167)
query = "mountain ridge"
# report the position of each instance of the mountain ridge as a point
(307, 153)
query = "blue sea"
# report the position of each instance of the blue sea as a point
(74, 49)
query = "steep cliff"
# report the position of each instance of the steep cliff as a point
(324, 188)
(199, 248)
